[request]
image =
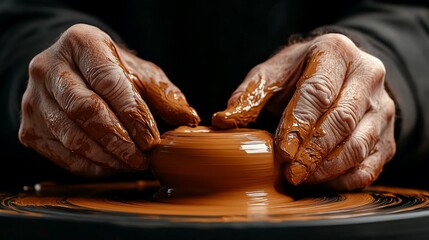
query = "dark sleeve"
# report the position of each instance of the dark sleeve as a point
(25, 30)
(398, 34)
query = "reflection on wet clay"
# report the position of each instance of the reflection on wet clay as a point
(135, 199)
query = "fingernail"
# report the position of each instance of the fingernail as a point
(290, 145)
(296, 173)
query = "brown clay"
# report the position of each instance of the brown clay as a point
(119, 201)
(204, 161)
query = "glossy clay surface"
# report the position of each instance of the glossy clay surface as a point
(209, 176)
(203, 161)
(132, 203)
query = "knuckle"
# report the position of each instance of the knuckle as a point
(389, 145)
(265, 73)
(71, 139)
(80, 107)
(106, 79)
(77, 29)
(30, 136)
(82, 38)
(333, 41)
(391, 149)
(318, 91)
(80, 166)
(365, 177)
(73, 35)
(344, 118)
(375, 66)
(38, 67)
(360, 146)
(389, 108)
(127, 152)
(322, 174)
(25, 135)
(372, 69)
(79, 34)
(336, 39)
(256, 69)
(28, 103)
(64, 131)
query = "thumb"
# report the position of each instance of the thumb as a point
(167, 100)
(279, 73)
(248, 99)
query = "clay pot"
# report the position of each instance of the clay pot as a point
(202, 159)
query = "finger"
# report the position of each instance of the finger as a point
(368, 171)
(75, 139)
(94, 117)
(97, 59)
(46, 144)
(352, 151)
(31, 123)
(261, 83)
(163, 96)
(317, 91)
(248, 100)
(357, 96)
(278, 74)
(75, 163)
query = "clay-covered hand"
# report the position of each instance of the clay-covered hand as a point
(337, 124)
(88, 104)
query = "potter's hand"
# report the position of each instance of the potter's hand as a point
(86, 106)
(338, 125)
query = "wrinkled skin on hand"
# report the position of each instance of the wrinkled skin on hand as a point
(88, 104)
(337, 124)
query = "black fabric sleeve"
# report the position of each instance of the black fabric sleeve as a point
(26, 30)
(398, 35)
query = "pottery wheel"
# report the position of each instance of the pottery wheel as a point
(127, 210)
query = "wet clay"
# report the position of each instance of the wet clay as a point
(246, 107)
(203, 164)
(132, 202)
(208, 175)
